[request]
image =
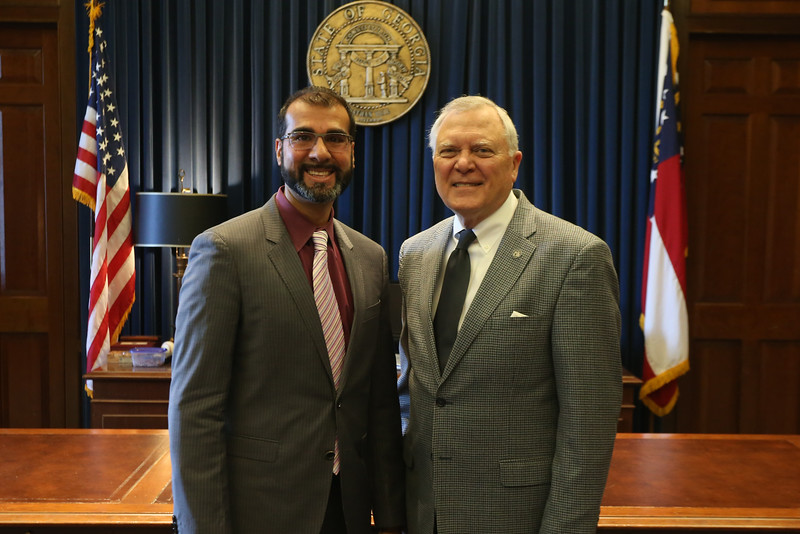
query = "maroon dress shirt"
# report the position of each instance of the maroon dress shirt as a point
(300, 231)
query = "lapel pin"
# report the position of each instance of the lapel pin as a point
(517, 253)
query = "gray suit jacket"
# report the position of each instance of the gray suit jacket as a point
(253, 412)
(517, 432)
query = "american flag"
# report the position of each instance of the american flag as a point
(101, 182)
(665, 321)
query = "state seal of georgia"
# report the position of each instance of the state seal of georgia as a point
(374, 55)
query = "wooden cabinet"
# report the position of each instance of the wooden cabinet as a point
(138, 397)
(630, 383)
(130, 397)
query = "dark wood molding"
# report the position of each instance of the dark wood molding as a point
(746, 7)
(744, 25)
(71, 342)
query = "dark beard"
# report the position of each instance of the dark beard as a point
(318, 192)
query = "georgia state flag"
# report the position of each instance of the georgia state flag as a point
(664, 318)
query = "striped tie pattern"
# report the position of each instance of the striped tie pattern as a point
(329, 315)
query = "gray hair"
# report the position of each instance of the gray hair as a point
(467, 103)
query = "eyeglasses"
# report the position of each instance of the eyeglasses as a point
(334, 141)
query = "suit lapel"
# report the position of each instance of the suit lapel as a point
(513, 254)
(432, 260)
(287, 264)
(355, 277)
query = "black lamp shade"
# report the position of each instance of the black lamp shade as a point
(174, 219)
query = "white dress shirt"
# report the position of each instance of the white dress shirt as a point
(481, 252)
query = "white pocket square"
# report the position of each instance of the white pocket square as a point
(517, 314)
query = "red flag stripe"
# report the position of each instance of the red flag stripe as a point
(670, 212)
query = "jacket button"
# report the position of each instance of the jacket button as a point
(440, 402)
(330, 455)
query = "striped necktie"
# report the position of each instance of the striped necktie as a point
(329, 315)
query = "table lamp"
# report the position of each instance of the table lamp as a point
(173, 220)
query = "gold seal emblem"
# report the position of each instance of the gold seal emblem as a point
(374, 55)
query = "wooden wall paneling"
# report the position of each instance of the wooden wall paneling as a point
(39, 368)
(711, 391)
(24, 104)
(24, 381)
(779, 407)
(761, 7)
(718, 208)
(742, 124)
(69, 310)
(782, 259)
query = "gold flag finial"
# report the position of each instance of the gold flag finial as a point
(94, 9)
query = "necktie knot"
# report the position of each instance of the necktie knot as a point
(465, 238)
(320, 238)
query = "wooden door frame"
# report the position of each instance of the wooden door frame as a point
(64, 397)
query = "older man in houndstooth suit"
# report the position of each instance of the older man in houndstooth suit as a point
(514, 431)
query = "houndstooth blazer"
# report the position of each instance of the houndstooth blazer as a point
(516, 433)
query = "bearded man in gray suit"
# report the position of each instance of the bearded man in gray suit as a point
(268, 432)
(513, 431)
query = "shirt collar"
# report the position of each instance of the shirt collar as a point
(489, 231)
(300, 229)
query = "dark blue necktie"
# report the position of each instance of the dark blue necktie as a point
(451, 301)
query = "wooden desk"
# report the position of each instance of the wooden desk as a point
(698, 482)
(59, 481)
(99, 481)
(130, 397)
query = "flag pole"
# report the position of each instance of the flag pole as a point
(101, 181)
